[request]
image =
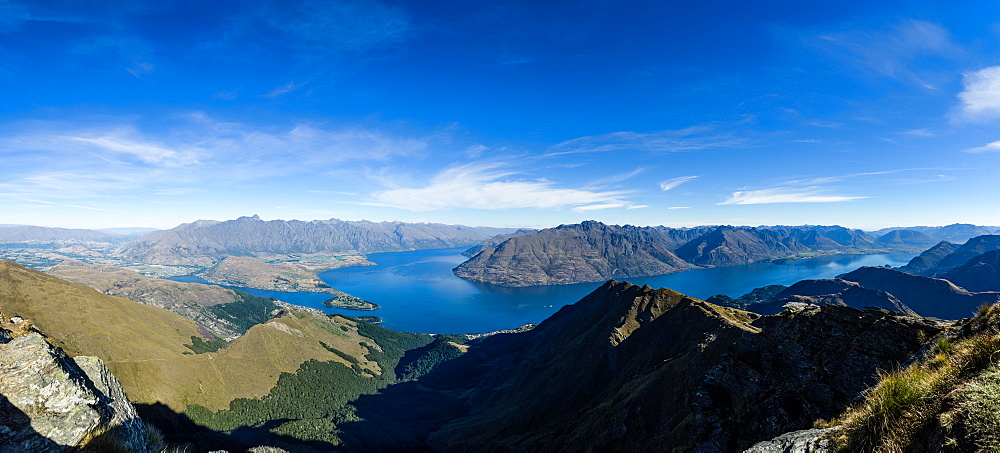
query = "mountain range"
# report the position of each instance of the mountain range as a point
(870, 287)
(592, 251)
(206, 242)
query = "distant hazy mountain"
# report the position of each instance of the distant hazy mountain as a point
(906, 239)
(129, 232)
(205, 242)
(29, 233)
(592, 251)
(957, 232)
(496, 240)
(946, 256)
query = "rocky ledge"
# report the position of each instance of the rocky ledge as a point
(50, 402)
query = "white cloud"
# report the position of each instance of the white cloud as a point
(672, 183)
(599, 206)
(924, 132)
(114, 157)
(694, 138)
(119, 142)
(480, 186)
(895, 52)
(616, 178)
(785, 195)
(282, 90)
(992, 147)
(678, 207)
(980, 100)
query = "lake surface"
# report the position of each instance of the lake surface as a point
(418, 292)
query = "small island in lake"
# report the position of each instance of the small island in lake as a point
(349, 302)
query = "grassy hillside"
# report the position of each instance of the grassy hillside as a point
(208, 305)
(947, 401)
(145, 348)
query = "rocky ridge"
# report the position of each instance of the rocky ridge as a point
(53, 403)
(632, 368)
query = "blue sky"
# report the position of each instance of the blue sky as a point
(520, 113)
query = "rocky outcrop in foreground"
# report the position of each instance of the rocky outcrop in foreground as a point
(52, 403)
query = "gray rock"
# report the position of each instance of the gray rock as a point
(805, 441)
(49, 403)
(129, 428)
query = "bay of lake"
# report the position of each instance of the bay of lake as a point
(419, 293)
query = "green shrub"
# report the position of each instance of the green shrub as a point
(201, 346)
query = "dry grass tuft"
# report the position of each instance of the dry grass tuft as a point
(904, 409)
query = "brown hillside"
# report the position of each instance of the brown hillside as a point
(144, 346)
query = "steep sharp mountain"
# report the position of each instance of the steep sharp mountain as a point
(925, 295)
(981, 273)
(591, 251)
(631, 368)
(205, 242)
(906, 239)
(971, 249)
(496, 240)
(929, 259)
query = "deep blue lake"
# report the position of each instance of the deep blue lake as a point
(418, 292)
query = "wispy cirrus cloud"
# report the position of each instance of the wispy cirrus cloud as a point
(672, 183)
(49, 158)
(786, 195)
(491, 187)
(830, 189)
(121, 142)
(336, 25)
(282, 90)
(980, 97)
(893, 52)
(695, 138)
(616, 178)
(923, 132)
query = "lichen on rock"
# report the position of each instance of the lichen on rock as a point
(50, 402)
